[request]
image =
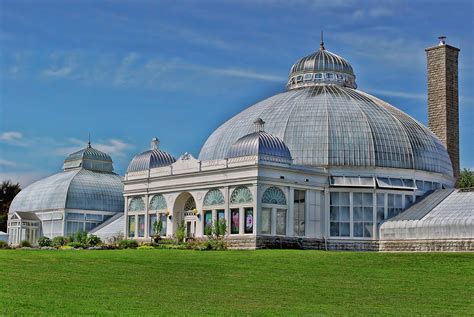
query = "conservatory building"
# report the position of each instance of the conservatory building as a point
(84, 195)
(321, 165)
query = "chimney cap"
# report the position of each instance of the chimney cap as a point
(442, 40)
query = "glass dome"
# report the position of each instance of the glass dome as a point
(262, 144)
(151, 159)
(332, 125)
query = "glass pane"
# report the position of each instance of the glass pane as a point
(368, 199)
(151, 225)
(141, 225)
(380, 200)
(163, 221)
(131, 226)
(248, 220)
(357, 216)
(368, 229)
(334, 214)
(357, 199)
(344, 213)
(368, 213)
(281, 222)
(334, 229)
(234, 221)
(207, 222)
(358, 229)
(344, 199)
(334, 201)
(266, 221)
(345, 230)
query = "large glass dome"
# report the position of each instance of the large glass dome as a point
(329, 123)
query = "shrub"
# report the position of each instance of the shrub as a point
(93, 240)
(128, 244)
(66, 247)
(4, 245)
(80, 237)
(180, 232)
(59, 241)
(25, 244)
(76, 245)
(145, 247)
(44, 242)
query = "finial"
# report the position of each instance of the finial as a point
(89, 142)
(154, 143)
(321, 44)
(442, 40)
(259, 125)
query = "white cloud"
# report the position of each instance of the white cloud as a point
(13, 137)
(7, 163)
(65, 67)
(400, 94)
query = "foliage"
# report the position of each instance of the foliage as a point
(4, 245)
(25, 244)
(93, 240)
(76, 245)
(157, 227)
(128, 244)
(145, 247)
(253, 283)
(466, 178)
(181, 232)
(219, 229)
(59, 241)
(8, 191)
(44, 242)
(66, 247)
(79, 236)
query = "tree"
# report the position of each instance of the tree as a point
(7, 193)
(466, 178)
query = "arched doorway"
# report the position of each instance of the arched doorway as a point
(184, 213)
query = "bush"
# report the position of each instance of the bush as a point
(80, 237)
(93, 240)
(25, 244)
(128, 244)
(145, 247)
(4, 245)
(76, 245)
(44, 242)
(180, 232)
(59, 241)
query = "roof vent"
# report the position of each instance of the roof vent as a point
(154, 143)
(259, 125)
(442, 40)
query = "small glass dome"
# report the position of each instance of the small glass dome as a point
(151, 159)
(89, 158)
(262, 144)
(321, 67)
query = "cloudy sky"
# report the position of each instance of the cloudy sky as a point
(125, 71)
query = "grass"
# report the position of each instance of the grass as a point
(266, 282)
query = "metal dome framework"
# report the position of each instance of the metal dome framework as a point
(332, 125)
(150, 159)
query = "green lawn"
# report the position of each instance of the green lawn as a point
(285, 282)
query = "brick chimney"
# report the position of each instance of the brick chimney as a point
(443, 103)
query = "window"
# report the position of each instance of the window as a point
(152, 219)
(308, 77)
(163, 228)
(190, 204)
(281, 222)
(74, 227)
(248, 220)
(91, 225)
(318, 76)
(380, 209)
(220, 215)
(214, 197)
(408, 201)
(131, 226)
(274, 195)
(394, 205)
(208, 222)
(339, 215)
(299, 213)
(136, 204)
(141, 225)
(93, 217)
(241, 195)
(75, 216)
(299, 78)
(158, 202)
(362, 208)
(329, 76)
(234, 221)
(266, 221)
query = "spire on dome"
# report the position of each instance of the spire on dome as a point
(89, 142)
(259, 125)
(154, 143)
(321, 43)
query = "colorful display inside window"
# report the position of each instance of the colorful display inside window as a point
(248, 220)
(141, 225)
(163, 228)
(207, 222)
(151, 225)
(234, 221)
(131, 226)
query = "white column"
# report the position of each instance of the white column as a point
(273, 221)
(146, 233)
(290, 213)
(242, 220)
(326, 220)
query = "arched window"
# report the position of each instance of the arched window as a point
(214, 197)
(136, 204)
(274, 195)
(158, 202)
(241, 195)
(190, 204)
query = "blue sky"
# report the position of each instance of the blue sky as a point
(125, 71)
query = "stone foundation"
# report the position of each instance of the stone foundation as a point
(272, 242)
(428, 245)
